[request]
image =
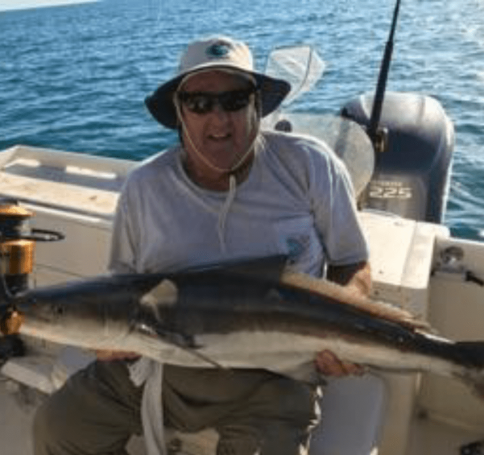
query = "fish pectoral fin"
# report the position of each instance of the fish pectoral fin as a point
(180, 340)
(167, 335)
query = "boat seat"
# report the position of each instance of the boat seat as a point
(352, 413)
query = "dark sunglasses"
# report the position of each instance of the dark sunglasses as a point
(204, 102)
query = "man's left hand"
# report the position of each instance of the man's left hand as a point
(330, 365)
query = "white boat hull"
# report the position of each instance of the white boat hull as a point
(388, 414)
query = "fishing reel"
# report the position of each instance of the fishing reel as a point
(17, 245)
(17, 249)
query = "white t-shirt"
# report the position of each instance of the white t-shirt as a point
(297, 200)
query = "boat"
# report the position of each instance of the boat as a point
(64, 203)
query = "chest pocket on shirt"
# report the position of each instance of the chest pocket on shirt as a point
(298, 239)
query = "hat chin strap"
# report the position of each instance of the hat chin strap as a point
(202, 157)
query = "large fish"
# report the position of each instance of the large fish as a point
(239, 316)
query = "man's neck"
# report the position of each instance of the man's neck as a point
(218, 181)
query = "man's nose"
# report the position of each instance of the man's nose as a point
(219, 113)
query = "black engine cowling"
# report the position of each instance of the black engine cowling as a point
(411, 176)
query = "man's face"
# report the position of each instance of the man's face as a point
(222, 134)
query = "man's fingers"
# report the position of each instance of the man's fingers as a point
(355, 369)
(330, 365)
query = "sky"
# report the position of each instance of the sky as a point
(24, 4)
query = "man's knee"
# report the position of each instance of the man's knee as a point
(94, 412)
(276, 420)
(290, 401)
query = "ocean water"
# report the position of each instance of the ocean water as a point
(75, 77)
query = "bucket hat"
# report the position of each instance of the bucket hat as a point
(218, 52)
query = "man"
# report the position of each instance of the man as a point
(228, 191)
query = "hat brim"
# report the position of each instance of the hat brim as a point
(161, 107)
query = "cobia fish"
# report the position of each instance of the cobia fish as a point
(240, 317)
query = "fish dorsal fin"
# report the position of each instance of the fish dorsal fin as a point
(164, 293)
(269, 268)
(349, 296)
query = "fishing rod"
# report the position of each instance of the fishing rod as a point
(373, 132)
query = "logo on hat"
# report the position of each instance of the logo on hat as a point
(218, 50)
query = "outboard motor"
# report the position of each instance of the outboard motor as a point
(17, 246)
(412, 168)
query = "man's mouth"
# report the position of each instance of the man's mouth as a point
(219, 136)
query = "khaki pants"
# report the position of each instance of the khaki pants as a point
(254, 411)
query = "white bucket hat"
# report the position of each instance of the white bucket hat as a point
(219, 52)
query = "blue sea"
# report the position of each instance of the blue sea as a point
(74, 77)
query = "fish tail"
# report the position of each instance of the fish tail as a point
(471, 357)
(475, 381)
(471, 353)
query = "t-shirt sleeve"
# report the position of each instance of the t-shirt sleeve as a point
(334, 206)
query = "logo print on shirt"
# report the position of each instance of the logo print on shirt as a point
(296, 246)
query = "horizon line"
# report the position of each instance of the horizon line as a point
(33, 4)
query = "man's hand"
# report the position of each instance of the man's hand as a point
(329, 365)
(357, 276)
(108, 355)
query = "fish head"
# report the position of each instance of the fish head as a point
(73, 321)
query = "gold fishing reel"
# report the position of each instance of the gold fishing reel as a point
(17, 252)
(17, 245)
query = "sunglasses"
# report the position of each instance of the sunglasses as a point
(204, 102)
